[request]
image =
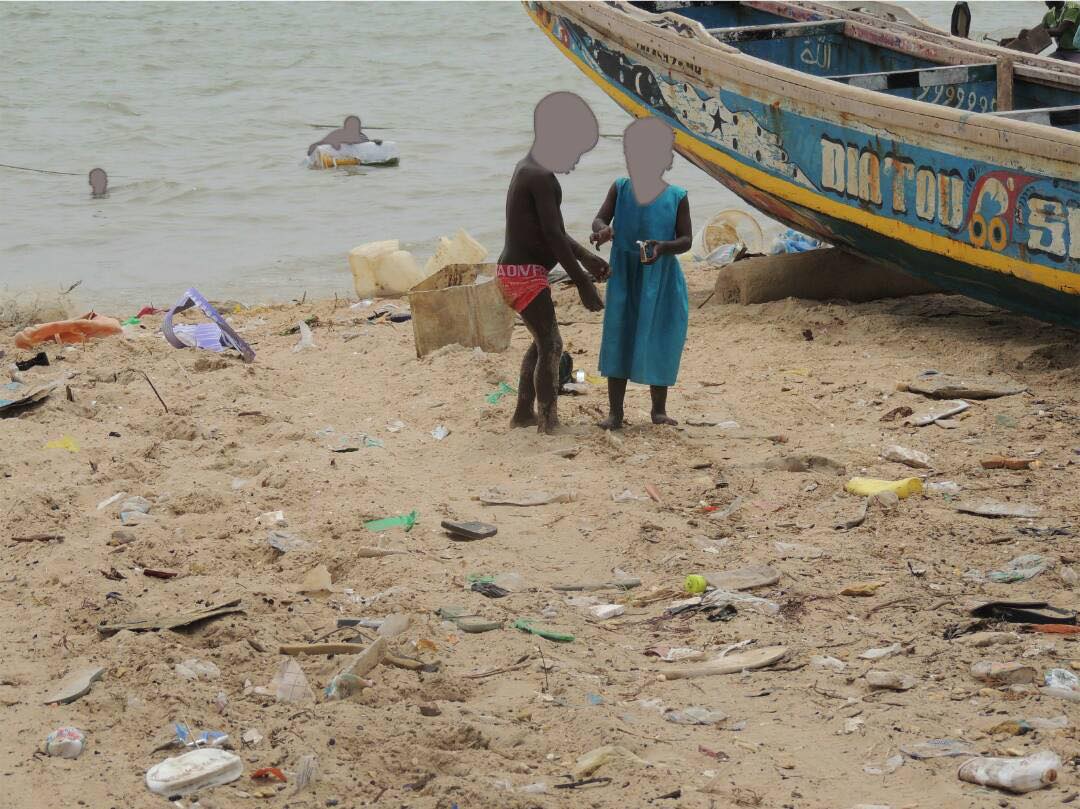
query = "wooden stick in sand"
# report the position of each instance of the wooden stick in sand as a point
(733, 664)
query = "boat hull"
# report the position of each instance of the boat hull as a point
(989, 222)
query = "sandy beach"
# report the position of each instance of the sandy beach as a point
(506, 711)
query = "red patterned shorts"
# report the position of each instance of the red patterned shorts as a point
(521, 283)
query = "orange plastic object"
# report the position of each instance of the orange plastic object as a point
(78, 330)
(1054, 629)
(269, 772)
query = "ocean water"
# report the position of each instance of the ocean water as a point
(201, 114)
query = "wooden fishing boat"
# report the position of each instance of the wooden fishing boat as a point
(952, 160)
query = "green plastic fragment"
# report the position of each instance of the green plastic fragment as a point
(131, 321)
(493, 398)
(406, 521)
(550, 634)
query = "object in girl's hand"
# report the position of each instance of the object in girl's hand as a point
(644, 250)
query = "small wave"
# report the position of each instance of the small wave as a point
(111, 106)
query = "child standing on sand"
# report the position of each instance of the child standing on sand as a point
(647, 307)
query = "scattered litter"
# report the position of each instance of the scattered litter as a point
(110, 500)
(937, 385)
(195, 669)
(825, 662)
(589, 587)
(880, 653)
(868, 487)
(307, 340)
(627, 496)
(890, 680)
(863, 589)
(10, 407)
(995, 673)
(992, 508)
(267, 773)
(695, 584)
(272, 519)
(675, 654)
(284, 542)
(937, 748)
(440, 432)
(605, 611)
(175, 620)
(290, 684)
(936, 413)
(942, 487)
(204, 738)
(908, 457)
(67, 443)
(1017, 775)
(592, 761)
(350, 680)
(695, 715)
(497, 497)
(215, 336)
(77, 330)
(500, 392)
(731, 664)
(67, 742)
(193, 772)
(41, 358)
(744, 578)
(1022, 568)
(1023, 612)
(549, 634)
(393, 625)
(1002, 462)
(469, 530)
(406, 521)
(797, 550)
(1062, 683)
(75, 685)
(316, 581)
(718, 597)
(889, 766)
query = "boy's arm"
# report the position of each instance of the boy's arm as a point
(554, 232)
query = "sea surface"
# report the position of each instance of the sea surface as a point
(201, 113)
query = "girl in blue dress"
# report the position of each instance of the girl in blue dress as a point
(646, 308)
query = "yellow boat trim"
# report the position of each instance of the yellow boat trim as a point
(1060, 280)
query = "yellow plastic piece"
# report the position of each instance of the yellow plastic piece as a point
(67, 442)
(868, 487)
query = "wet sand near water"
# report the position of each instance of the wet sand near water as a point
(514, 710)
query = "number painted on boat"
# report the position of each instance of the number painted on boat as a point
(957, 96)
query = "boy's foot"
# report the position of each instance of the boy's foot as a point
(526, 419)
(663, 418)
(614, 421)
(548, 426)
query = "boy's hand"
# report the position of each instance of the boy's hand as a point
(602, 236)
(590, 298)
(596, 266)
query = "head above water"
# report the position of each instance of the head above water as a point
(564, 128)
(99, 182)
(1056, 5)
(648, 145)
(352, 125)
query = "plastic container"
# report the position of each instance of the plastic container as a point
(461, 248)
(868, 487)
(383, 270)
(1013, 774)
(730, 226)
(191, 772)
(369, 153)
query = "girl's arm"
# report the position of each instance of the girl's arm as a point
(684, 236)
(601, 226)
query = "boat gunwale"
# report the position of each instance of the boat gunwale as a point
(622, 22)
(994, 52)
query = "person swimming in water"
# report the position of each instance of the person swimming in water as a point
(349, 132)
(99, 183)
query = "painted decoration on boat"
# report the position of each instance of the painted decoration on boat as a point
(833, 179)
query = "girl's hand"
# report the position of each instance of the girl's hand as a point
(600, 237)
(652, 251)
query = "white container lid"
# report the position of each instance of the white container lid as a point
(190, 772)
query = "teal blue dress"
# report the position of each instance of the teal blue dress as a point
(646, 308)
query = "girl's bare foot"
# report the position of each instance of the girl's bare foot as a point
(614, 421)
(663, 418)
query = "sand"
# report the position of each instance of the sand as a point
(239, 441)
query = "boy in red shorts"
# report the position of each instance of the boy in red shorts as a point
(564, 130)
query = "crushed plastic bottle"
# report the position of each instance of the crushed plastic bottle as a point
(1013, 774)
(65, 742)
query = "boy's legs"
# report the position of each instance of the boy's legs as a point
(539, 317)
(525, 414)
(616, 393)
(659, 405)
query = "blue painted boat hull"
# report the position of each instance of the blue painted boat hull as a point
(971, 218)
